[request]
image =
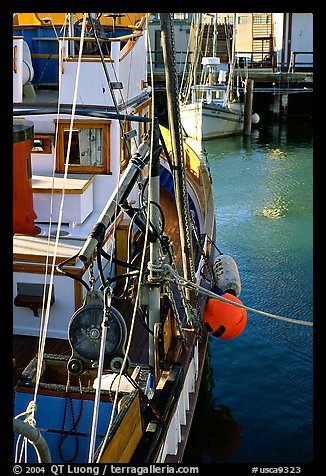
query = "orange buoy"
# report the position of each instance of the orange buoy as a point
(223, 320)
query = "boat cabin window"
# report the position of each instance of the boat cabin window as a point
(217, 95)
(89, 150)
(41, 144)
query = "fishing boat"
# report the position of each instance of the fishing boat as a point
(113, 247)
(209, 107)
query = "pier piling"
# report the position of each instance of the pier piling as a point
(248, 107)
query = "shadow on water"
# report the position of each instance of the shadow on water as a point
(292, 130)
(214, 434)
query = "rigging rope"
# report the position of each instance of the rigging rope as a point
(141, 271)
(46, 306)
(31, 409)
(115, 103)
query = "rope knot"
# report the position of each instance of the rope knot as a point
(30, 412)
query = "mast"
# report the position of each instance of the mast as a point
(197, 47)
(232, 64)
(215, 35)
(178, 172)
(154, 283)
(194, 45)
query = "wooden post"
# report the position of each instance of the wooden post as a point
(248, 107)
(275, 106)
(284, 104)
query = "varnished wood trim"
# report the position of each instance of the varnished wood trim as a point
(142, 106)
(37, 261)
(58, 190)
(45, 55)
(129, 46)
(78, 289)
(63, 125)
(113, 228)
(88, 59)
(46, 144)
(125, 434)
(106, 40)
(40, 257)
(33, 268)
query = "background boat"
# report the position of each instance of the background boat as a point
(211, 107)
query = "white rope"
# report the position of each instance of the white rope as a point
(141, 271)
(44, 330)
(31, 408)
(30, 420)
(182, 282)
(46, 305)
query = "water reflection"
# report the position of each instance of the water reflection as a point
(263, 197)
(214, 434)
(275, 209)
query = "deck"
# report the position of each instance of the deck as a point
(25, 348)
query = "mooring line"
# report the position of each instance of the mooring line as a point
(201, 290)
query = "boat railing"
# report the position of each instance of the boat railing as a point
(192, 161)
(206, 87)
(68, 49)
(130, 38)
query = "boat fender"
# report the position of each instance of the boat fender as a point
(223, 320)
(255, 118)
(226, 275)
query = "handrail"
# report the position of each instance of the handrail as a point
(91, 38)
(293, 63)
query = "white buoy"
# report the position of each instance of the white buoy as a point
(226, 274)
(255, 118)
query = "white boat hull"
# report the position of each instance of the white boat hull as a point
(208, 121)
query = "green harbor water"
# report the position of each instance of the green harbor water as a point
(256, 404)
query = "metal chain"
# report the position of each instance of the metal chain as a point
(91, 276)
(176, 314)
(175, 277)
(180, 174)
(189, 311)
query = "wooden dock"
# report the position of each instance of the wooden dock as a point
(275, 86)
(263, 75)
